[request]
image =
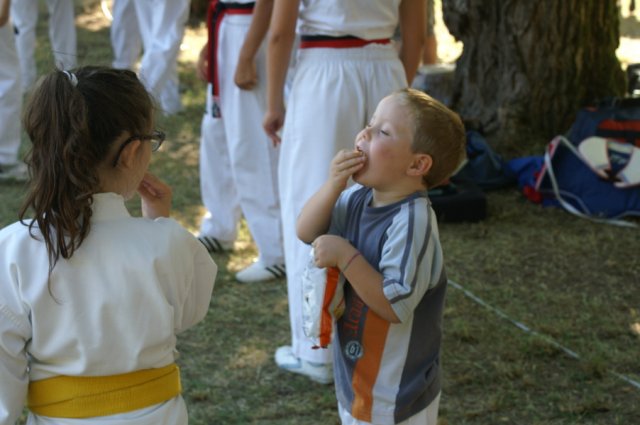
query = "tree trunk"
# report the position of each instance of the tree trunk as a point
(527, 66)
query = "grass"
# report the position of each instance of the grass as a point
(572, 281)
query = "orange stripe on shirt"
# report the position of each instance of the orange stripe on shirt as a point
(366, 372)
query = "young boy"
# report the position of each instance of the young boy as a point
(345, 63)
(383, 235)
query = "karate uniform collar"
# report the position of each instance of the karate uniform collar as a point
(107, 206)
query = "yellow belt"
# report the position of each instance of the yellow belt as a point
(89, 396)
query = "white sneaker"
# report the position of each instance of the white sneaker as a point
(215, 245)
(17, 172)
(321, 373)
(258, 272)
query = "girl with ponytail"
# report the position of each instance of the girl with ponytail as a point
(91, 298)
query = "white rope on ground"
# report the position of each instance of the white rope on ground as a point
(530, 331)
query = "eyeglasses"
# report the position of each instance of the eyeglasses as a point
(156, 138)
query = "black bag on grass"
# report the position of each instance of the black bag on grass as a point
(458, 201)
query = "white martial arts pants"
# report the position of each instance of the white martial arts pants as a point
(62, 33)
(126, 40)
(238, 162)
(335, 91)
(161, 24)
(10, 97)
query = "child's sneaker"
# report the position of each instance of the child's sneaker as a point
(258, 272)
(321, 373)
(215, 245)
(17, 172)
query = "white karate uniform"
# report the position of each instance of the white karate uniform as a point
(114, 307)
(10, 97)
(126, 39)
(334, 93)
(62, 33)
(161, 25)
(238, 162)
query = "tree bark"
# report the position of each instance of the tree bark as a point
(527, 66)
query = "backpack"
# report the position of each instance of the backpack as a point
(484, 166)
(597, 178)
(594, 172)
(616, 119)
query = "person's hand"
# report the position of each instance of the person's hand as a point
(272, 122)
(203, 64)
(346, 163)
(155, 197)
(246, 76)
(328, 250)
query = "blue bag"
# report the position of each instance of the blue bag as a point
(596, 178)
(484, 167)
(616, 119)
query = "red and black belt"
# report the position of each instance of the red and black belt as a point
(342, 42)
(215, 13)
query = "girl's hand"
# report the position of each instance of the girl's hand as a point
(155, 196)
(345, 164)
(330, 249)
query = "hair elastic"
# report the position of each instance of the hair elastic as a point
(72, 78)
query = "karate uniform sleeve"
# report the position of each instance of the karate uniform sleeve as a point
(204, 276)
(15, 331)
(193, 273)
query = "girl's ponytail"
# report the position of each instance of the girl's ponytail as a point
(72, 119)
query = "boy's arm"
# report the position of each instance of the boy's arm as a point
(334, 251)
(281, 38)
(4, 12)
(315, 217)
(412, 27)
(246, 74)
(367, 282)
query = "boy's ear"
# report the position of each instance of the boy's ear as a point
(420, 165)
(129, 154)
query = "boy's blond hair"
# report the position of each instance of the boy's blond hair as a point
(437, 132)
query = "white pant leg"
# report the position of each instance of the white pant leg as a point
(216, 182)
(10, 97)
(162, 26)
(170, 99)
(328, 105)
(62, 33)
(24, 14)
(253, 157)
(126, 40)
(427, 416)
